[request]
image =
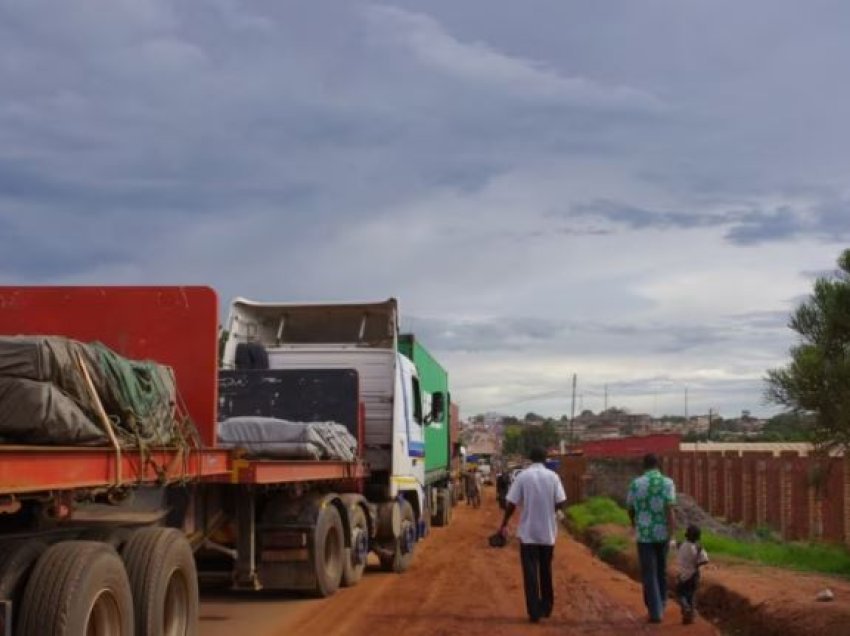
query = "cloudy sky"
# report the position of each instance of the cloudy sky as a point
(636, 192)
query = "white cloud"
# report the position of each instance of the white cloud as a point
(480, 64)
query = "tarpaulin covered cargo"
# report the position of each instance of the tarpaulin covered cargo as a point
(45, 397)
(34, 412)
(276, 438)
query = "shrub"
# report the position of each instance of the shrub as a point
(611, 547)
(597, 511)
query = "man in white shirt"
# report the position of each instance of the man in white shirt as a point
(540, 494)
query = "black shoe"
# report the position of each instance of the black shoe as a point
(534, 619)
(655, 619)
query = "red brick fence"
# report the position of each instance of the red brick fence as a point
(802, 497)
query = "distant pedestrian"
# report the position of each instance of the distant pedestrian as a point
(650, 502)
(690, 557)
(540, 494)
(503, 483)
(473, 488)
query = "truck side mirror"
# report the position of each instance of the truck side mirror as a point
(438, 407)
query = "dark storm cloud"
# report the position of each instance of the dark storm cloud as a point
(351, 149)
(828, 220)
(488, 334)
(637, 218)
(196, 111)
(762, 227)
(536, 334)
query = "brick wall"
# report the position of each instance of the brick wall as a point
(585, 477)
(611, 477)
(801, 497)
(573, 473)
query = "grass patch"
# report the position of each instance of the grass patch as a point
(810, 557)
(612, 546)
(596, 511)
(766, 549)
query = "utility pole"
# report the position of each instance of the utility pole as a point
(573, 411)
(686, 404)
(606, 399)
(708, 433)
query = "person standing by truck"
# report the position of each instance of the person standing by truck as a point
(540, 494)
(472, 481)
(650, 501)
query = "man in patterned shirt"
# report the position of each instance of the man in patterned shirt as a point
(650, 502)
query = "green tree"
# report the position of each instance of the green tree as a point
(786, 427)
(543, 436)
(817, 380)
(512, 441)
(521, 439)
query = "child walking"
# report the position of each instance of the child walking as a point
(690, 558)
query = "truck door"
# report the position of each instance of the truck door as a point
(409, 425)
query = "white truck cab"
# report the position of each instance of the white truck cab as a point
(359, 336)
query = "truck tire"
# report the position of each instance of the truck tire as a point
(17, 559)
(426, 520)
(400, 555)
(437, 517)
(444, 506)
(161, 569)
(77, 587)
(355, 557)
(327, 551)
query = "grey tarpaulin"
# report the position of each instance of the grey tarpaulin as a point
(271, 437)
(34, 412)
(138, 397)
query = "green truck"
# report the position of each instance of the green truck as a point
(439, 483)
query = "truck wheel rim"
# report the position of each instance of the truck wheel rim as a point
(104, 618)
(332, 551)
(408, 537)
(361, 547)
(175, 619)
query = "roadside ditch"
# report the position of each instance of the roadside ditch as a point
(741, 598)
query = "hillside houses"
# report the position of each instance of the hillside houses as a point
(616, 423)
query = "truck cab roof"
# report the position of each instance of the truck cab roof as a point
(362, 324)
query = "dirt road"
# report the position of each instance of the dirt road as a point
(457, 585)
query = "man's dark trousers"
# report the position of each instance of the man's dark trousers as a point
(653, 574)
(537, 576)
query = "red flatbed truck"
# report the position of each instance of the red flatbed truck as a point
(101, 541)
